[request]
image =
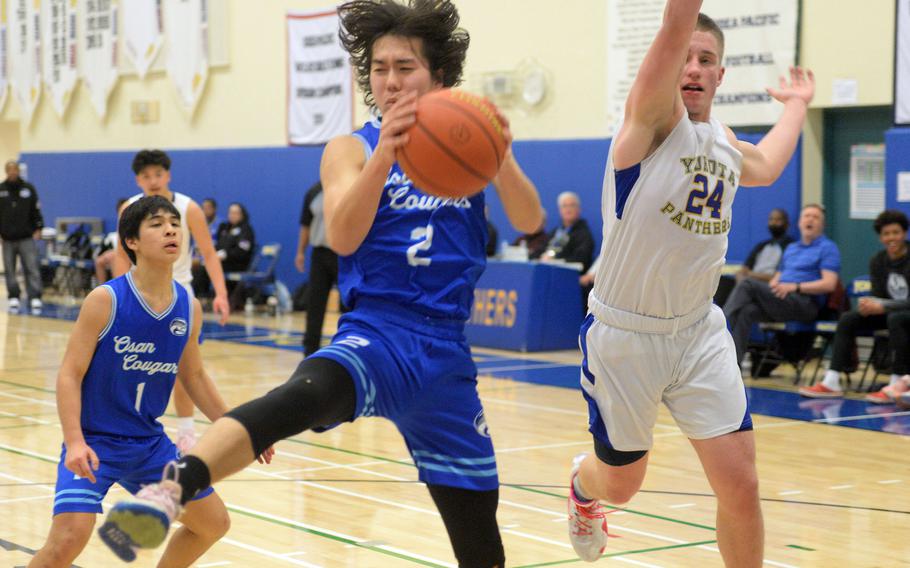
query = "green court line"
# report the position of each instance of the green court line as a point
(334, 537)
(625, 553)
(798, 547)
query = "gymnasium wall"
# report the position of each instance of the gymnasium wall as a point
(234, 147)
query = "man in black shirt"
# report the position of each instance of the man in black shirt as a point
(572, 240)
(888, 307)
(20, 225)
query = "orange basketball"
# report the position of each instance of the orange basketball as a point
(456, 145)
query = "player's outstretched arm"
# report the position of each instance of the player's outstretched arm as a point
(93, 318)
(654, 104)
(195, 380)
(764, 162)
(516, 191)
(195, 220)
(353, 184)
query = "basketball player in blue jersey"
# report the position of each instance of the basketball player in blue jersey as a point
(153, 176)
(408, 263)
(132, 335)
(652, 333)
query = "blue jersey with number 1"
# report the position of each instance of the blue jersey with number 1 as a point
(132, 373)
(423, 252)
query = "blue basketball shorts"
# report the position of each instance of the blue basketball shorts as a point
(131, 462)
(419, 374)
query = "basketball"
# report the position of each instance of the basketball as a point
(456, 145)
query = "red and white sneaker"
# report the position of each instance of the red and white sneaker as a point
(895, 390)
(879, 397)
(144, 520)
(186, 439)
(819, 390)
(587, 523)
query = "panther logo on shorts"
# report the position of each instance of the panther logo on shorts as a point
(178, 326)
(480, 424)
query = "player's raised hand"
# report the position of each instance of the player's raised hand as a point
(395, 122)
(82, 460)
(801, 85)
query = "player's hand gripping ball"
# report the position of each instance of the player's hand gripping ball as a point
(455, 146)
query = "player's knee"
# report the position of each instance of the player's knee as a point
(319, 393)
(218, 525)
(65, 543)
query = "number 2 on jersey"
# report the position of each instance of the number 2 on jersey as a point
(424, 238)
(714, 202)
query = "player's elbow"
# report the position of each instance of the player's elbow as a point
(341, 243)
(530, 222)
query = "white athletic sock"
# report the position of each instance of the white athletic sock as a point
(579, 493)
(185, 423)
(894, 379)
(832, 380)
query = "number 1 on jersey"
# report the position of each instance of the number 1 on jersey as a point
(424, 238)
(139, 390)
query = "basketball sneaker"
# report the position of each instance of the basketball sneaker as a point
(144, 520)
(13, 305)
(186, 439)
(879, 397)
(587, 522)
(36, 306)
(819, 390)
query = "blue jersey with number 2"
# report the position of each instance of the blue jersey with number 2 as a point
(131, 376)
(423, 252)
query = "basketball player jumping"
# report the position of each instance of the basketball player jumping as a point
(132, 335)
(652, 333)
(408, 273)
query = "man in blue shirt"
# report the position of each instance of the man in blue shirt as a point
(808, 273)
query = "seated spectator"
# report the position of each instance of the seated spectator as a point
(104, 260)
(572, 240)
(235, 245)
(535, 242)
(764, 258)
(888, 307)
(210, 210)
(808, 273)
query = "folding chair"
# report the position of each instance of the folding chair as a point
(260, 276)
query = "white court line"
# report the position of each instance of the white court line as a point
(890, 481)
(537, 538)
(860, 417)
(481, 371)
(26, 418)
(16, 500)
(264, 552)
(791, 492)
(29, 399)
(535, 406)
(837, 487)
(325, 467)
(682, 506)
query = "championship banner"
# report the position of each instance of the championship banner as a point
(98, 25)
(142, 33)
(320, 103)
(902, 67)
(760, 38)
(25, 55)
(58, 31)
(186, 30)
(4, 58)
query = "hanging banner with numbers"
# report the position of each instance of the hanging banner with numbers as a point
(25, 55)
(320, 103)
(142, 33)
(760, 46)
(186, 31)
(58, 58)
(4, 58)
(98, 34)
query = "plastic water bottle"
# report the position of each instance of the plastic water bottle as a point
(249, 307)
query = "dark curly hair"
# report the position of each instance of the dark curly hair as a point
(435, 22)
(889, 217)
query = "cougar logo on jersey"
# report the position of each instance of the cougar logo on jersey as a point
(178, 327)
(480, 424)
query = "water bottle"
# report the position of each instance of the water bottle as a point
(249, 307)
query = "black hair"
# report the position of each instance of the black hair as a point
(707, 24)
(145, 158)
(889, 217)
(137, 212)
(212, 201)
(243, 211)
(783, 213)
(120, 202)
(435, 22)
